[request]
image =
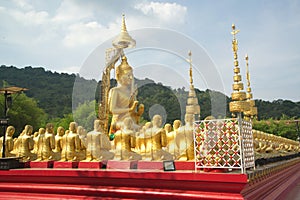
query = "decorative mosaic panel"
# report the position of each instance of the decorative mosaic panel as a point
(223, 143)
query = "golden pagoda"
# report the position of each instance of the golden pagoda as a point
(192, 106)
(238, 96)
(252, 112)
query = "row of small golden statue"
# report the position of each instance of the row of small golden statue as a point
(152, 142)
(269, 145)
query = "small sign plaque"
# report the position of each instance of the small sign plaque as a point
(3, 122)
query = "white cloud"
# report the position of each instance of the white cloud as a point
(90, 33)
(70, 11)
(23, 4)
(167, 12)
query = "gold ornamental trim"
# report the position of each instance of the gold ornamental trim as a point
(238, 86)
(238, 96)
(251, 112)
(237, 78)
(239, 106)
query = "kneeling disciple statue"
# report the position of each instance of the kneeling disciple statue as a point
(45, 143)
(70, 144)
(185, 139)
(25, 144)
(58, 141)
(158, 140)
(9, 142)
(125, 140)
(98, 144)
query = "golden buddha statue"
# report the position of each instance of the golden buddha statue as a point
(9, 142)
(25, 144)
(156, 141)
(83, 143)
(171, 135)
(98, 144)
(45, 143)
(124, 141)
(143, 139)
(185, 139)
(70, 144)
(58, 145)
(122, 98)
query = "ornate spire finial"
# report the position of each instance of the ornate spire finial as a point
(238, 103)
(124, 29)
(192, 106)
(253, 110)
(123, 40)
(191, 67)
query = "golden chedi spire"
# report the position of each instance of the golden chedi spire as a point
(192, 106)
(238, 97)
(123, 40)
(253, 109)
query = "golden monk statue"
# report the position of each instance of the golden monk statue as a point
(124, 141)
(70, 144)
(58, 143)
(9, 142)
(45, 143)
(25, 144)
(171, 147)
(98, 144)
(143, 139)
(158, 140)
(83, 143)
(185, 139)
(122, 99)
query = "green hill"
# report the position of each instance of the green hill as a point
(55, 95)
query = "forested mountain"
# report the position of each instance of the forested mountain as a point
(53, 92)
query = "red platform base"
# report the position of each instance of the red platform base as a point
(41, 164)
(150, 165)
(115, 164)
(145, 184)
(58, 164)
(92, 165)
(184, 165)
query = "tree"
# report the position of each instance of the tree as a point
(85, 114)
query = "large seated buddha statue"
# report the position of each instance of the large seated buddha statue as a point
(122, 98)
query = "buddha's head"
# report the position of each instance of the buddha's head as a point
(124, 72)
(168, 127)
(41, 131)
(128, 123)
(49, 128)
(157, 120)
(10, 131)
(73, 127)
(60, 131)
(176, 124)
(28, 130)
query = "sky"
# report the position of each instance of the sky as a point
(73, 36)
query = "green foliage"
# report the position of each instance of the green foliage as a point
(64, 121)
(285, 127)
(24, 110)
(54, 94)
(277, 108)
(53, 91)
(85, 114)
(152, 94)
